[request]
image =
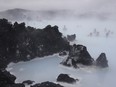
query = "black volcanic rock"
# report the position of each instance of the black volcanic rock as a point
(15, 85)
(78, 54)
(8, 80)
(28, 82)
(102, 61)
(47, 84)
(21, 43)
(71, 37)
(66, 78)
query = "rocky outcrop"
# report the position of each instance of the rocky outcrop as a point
(78, 54)
(8, 80)
(71, 37)
(28, 82)
(15, 85)
(66, 78)
(21, 43)
(102, 61)
(47, 84)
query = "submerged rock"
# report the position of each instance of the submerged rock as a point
(66, 78)
(47, 84)
(78, 54)
(102, 61)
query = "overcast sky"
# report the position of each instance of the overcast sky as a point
(106, 6)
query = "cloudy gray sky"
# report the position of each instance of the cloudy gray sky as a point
(104, 6)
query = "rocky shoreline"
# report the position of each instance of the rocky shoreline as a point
(21, 43)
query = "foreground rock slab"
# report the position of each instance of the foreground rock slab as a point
(66, 78)
(8, 80)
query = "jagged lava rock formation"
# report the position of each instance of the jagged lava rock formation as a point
(102, 61)
(78, 54)
(21, 43)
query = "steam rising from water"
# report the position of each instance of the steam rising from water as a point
(49, 68)
(104, 9)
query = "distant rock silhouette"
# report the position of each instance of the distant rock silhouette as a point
(102, 61)
(71, 37)
(18, 14)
